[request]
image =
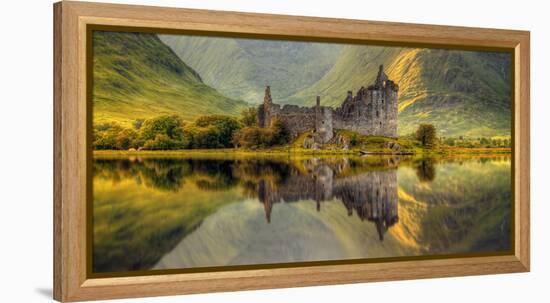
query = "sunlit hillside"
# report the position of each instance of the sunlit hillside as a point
(136, 76)
(462, 93)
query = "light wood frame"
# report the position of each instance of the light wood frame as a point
(70, 149)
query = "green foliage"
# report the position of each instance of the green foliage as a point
(160, 133)
(280, 134)
(105, 136)
(215, 131)
(354, 140)
(252, 137)
(258, 137)
(249, 116)
(126, 139)
(449, 141)
(169, 132)
(205, 137)
(480, 142)
(163, 133)
(164, 142)
(426, 135)
(170, 126)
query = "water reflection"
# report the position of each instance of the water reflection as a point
(194, 212)
(425, 169)
(372, 195)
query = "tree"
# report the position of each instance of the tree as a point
(170, 126)
(280, 134)
(163, 132)
(253, 137)
(484, 141)
(248, 137)
(105, 135)
(450, 141)
(163, 142)
(249, 116)
(127, 138)
(205, 137)
(221, 126)
(426, 134)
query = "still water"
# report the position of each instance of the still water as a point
(174, 213)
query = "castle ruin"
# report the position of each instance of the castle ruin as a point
(372, 111)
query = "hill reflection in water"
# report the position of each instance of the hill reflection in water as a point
(186, 212)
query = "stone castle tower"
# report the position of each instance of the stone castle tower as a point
(372, 111)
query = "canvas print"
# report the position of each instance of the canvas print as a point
(217, 152)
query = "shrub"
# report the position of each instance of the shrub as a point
(253, 137)
(354, 140)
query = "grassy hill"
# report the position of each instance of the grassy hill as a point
(461, 92)
(240, 68)
(136, 76)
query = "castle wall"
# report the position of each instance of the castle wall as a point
(298, 119)
(372, 111)
(324, 128)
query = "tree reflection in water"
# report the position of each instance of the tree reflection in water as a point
(144, 207)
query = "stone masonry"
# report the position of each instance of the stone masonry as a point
(372, 111)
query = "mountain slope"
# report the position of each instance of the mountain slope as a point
(356, 66)
(240, 68)
(461, 92)
(136, 76)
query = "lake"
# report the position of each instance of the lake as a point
(192, 212)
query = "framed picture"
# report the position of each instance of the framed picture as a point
(202, 151)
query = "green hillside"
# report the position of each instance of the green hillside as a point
(240, 68)
(136, 76)
(461, 92)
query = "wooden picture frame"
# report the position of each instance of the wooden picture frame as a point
(72, 119)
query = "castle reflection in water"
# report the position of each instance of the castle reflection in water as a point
(222, 210)
(371, 195)
(367, 189)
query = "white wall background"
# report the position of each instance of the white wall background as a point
(26, 149)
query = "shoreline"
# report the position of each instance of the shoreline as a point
(296, 152)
